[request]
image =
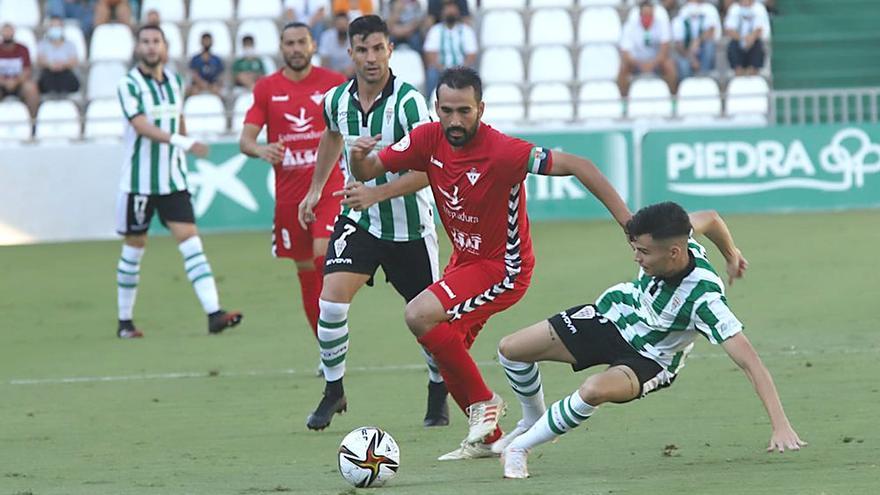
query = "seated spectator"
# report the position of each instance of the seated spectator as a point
(435, 11)
(311, 12)
(249, 67)
(56, 58)
(448, 44)
(405, 22)
(333, 46)
(644, 48)
(746, 24)
(81, 10)
(694, 32)
(354, 8)
(151, 18)
(206, 70)
(15, 70)
(770, 5)
(112, 11)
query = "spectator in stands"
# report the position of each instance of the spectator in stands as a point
(644, 48)
(206, 69)
(112, 11)
(770, 5)
(746, 24)
(333, 46)
(354, 8)
(448, 44)
(249, 67)
(81, 10)
(435, 11)
(310, 12)
(694, 32)
(406, 19)
(56, 58)
(151, 18)
(15, 70)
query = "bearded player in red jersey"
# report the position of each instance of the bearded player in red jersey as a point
(476, 175)
(290, 102)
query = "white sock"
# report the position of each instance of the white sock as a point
(560, 418)
(199, 273)
(433, 371)
(333, 338)
(525, 380)
(128, 271)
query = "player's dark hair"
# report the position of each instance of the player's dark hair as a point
(149, 27)
(367, 25)
(294, 25)
(247, 39)
(460, 77)
(662, 221)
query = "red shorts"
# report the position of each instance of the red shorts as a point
(471, 293)
(290, 240)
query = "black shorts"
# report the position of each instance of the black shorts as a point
(410, 266)
(135, 211)
(738, 57)
(594, 340)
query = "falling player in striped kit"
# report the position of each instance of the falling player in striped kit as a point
(154, 179)
(642, 329)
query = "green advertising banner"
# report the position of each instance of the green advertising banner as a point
(233, 192)
(778, 168)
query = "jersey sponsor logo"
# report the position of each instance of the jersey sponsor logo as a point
(466, 242)
(568, 323)
(339, 261)
(473, 176)
(453, 206)
(436, 162)
(401, 145)
(340, 244)
(317, 97)
(299, 158)
(300, 123)
(280, 97)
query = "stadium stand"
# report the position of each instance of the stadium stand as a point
(204, 10)
(258, 10)
(239, 108)
(502, 65)
(111, 42)
(103, 119)
(103, 79)
(551, 64)
(599, 25)
(406, 63)
(502, 28)
(15, 121)
(205, 115)
(599, 100)
(174, 40)
(169, 10)
(699, 97)
(598, 62)
(21, 13)
(550, 102)
(747, 96)
(649, 98)
(58, 120)
(551, 27)
(504, 104)
(503, 4)
(222, 40)
(73, 33)
(26, 37)
(265, 33)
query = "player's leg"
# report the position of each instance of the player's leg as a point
(291, 240)
(133, 215)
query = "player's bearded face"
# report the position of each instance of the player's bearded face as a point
(297, 47)
(151, 48)
(459, 114)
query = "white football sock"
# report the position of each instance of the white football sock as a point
(333, 338)
(128, 271)
(199, 273)
(525, 380)
(560, 418)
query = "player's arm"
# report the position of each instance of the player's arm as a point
(588, 174)
(358, 197)
(247, 143)
(329, 150)
(744, 355)
(144, 128)
(710, 224)
(364, 163)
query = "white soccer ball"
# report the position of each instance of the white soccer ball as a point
(368, 456)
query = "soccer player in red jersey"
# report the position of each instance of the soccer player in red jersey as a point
(290, 103)
(476, 175)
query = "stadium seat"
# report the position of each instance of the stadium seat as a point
(599, 25)
(104, 119)
(502, 28)
(260, 9)
(699, 97)
(73, 33)
(598, 62)
(551, 64)
(222, 46)
(111, 42)
(599, 100)
(174, 40)
(649, 98)
(202, 10)
(26, 37)
(551, 27)
(15, 121)
(747, 95)
(240, 107)
(57, 119)
(169, 10)
(20, 13)
(504, 104)
(546, 4)
(204, 114)
(550, 102)
(103, 79)
(265, 33)
(502, 65)
(502, 4)
(600, 3)
(407, 64)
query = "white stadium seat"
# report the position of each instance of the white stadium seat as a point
(111, 42)
(104, 119)
(174, 40)
(649, 98)
(599, 100)
(600, 3)
(20, 13)
(504, 104)
(747, 95)
(598, 62)
(502, 65)
(502, 4)
(407, 65)
(169, 10)
(57, 119)
(502, 28)
(550, 102)
(550, 64)
(73, 33)
(599, 25)
(15, 121)
(546, 4)
(265, 33)
(250, 9)
(201, 10)
(103, 79)
(205, 115)
(222, 43)
(551, 27)
(242, 103)
(699, 97)
(26, 37)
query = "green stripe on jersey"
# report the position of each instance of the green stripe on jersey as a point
(683, 319)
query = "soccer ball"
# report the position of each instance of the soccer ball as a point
(368, 456)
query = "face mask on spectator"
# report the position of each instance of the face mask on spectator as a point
(451, 19)
(55, 33)
(647, 20)
(8, 41)
(248, 52)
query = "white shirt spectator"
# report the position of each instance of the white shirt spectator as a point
(644, 44)
(744, 20)
(693, 20)
(452, 44)
(303, 10)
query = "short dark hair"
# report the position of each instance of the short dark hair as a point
(149, 27)
(367, 25)
(247, 39)
(295, 25)
(460, 77)
(662, 221)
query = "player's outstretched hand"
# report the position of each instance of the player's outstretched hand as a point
(272, 152)
(736, 267)
(199, 149)
(306, 212)
(785, 438)
(357, 196)
(362, 147)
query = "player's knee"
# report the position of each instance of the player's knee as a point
(592, 392)
(414, 317)
(507, 348)
(137, 241)
(333, 311)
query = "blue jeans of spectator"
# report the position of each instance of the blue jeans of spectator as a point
(705, 56)
(753, 57)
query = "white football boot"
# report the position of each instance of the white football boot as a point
(502, 443)
(515, 463)
(469, 451)
(483, 418)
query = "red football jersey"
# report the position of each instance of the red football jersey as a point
(294, 114)
(479, 189)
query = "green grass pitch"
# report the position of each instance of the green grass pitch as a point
(180, 412)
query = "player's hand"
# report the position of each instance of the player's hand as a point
(306, 212)
(357, 196)
(199, 149)
(736, 266)
(362, 147)
(272, 152)
(785, 438)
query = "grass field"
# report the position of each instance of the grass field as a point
(181, 412)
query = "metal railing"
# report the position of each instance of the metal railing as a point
(825, 106)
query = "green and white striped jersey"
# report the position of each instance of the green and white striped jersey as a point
(151, 167)
(662, 318)
(397, 111)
